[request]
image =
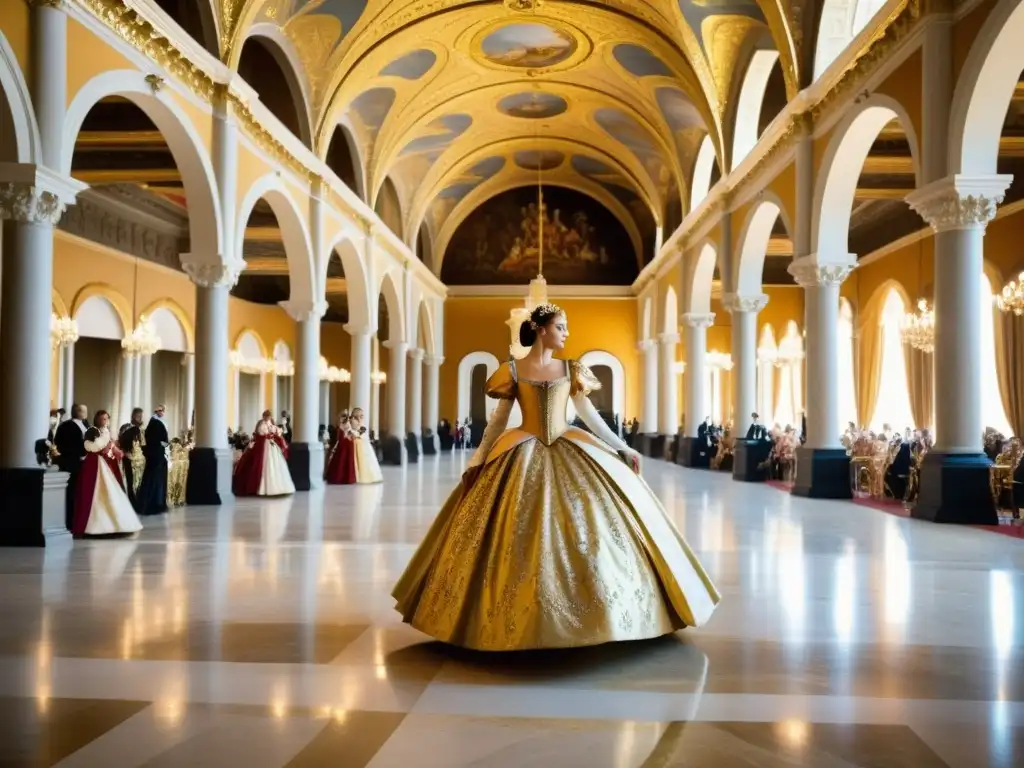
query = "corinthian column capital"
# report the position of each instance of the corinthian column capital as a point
(302, 311)
(810, 273)
(212, 275)
(33, 194)
(960, 202)
(698, 320)
(734, 302)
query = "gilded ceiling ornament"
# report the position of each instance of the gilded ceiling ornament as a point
(155, 83)
(28, 204)
(521, 5)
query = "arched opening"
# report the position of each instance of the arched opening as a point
(474, 370)
(169, 373)
(248, 393)
(752, 101)
(96, 364)
(840, 22)
(343, 159)
(789, 387)
(389, 208)
(705, 172)
(767, 355)
(195, 17)
(893, 409)
(266, 67)
(765, 249)
(610, 400)
(390, 316)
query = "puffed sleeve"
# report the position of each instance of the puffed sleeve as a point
(502, 384)
(582, 379)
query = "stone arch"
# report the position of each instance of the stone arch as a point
(754, 237)
(748, 106)
(396, 310)
(362, 306)
(101, 298)
(840, 170)
(23, 144)
(294, 234)
(670, 318)
(703, 169)
(184, 141)
(343, 157)
(466, 366)
(698, 298)
(600, 357)
(272, 42)
(984, 91)
(172, 324)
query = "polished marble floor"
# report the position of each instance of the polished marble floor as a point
(262, 634)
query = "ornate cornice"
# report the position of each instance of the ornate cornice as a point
(695, 320)
(960, 202)
(213, 275)
(733, 302)
(95, 222)
(809, 273)
(25, 202)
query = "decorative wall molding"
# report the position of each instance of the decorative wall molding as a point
(25, 202)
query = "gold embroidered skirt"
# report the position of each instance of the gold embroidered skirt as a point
(553, 547)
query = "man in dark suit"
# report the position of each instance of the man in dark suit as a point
(129, 435)
(757, 430)
(152, 497)
(70, 442)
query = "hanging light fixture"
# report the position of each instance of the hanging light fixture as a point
(1011, 298)
(378, 377)
(719, 360)
(918, 328)
(143, 340)
(63, 331)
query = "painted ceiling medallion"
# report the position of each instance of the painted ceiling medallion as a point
(528, 45)
(539, 160)
(532, 105)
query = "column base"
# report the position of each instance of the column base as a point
(412, 448)
(34, 504)
(209, 477)
(747, 457)
(822, 473)
(429, 443)
(392, 451)
(652, 446)
(694, 453)
(306, 463)
(955, 489)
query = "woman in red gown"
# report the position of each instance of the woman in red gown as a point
(263, 468)
(341, 464)
(102, 507)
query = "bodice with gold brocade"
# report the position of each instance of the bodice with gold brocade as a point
(543, 403)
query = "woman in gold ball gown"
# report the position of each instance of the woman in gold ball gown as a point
(552, 539)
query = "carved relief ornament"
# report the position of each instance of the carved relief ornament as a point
(735, 303)
(27, 203)
(214, 275)
(695, 320)
(809, 273)
(302, 311)
(960, 202)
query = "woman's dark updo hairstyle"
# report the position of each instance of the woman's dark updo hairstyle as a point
(541, 316)
(97, 417)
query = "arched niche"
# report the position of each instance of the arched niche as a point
(282, 352)
(599, 358)
(98, 318)
(168, 327)
(465, 391)
(271, 66)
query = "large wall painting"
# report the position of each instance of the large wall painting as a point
(498, 244)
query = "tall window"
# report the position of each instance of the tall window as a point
(847, 393)
(789, 401)
(767, 353)
(893, 406)
(992, 412)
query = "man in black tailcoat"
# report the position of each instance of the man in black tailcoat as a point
(152, 497)
(70, 442)
(128, 436)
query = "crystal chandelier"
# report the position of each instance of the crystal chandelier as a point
(918, 328)
(143, 340)
(1012, 297)
(63, 331)
(333, 373)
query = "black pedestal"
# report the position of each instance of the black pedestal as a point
(748, 455)
(429, 449)
(33, 508)
(670, 449)
(652, 446)
(209, 476)
(694, 452)
(391, 450)
(412, 448)
(306, 464)
(822, 473)
(955, 489)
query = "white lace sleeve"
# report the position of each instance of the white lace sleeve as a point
(495, 427)
(262, 428)
(588, 413)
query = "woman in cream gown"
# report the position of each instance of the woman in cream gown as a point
(367, 466)
(102, 506)
(263, 469)
(552, 539)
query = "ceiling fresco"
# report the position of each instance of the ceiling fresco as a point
(432, 88)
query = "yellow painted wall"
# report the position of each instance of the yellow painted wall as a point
(475, 324)
(14, 25)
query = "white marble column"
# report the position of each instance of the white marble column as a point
(415, 390)
(325, 394)
(432, 389)
(236, 399)
(744, 311)
(820, 282)
(49, 66)
(361, 368)
(211, 357)
(396, 391)
(126, 404)
(649, 411)
(68, 366)
(29, 215)
(696, 369)
(190, 388)
(958, 210)
(306, 454)
(668, 400)
(374, 408)
(147, 385)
